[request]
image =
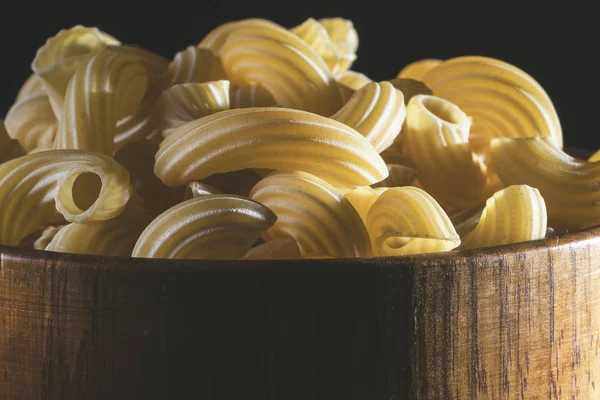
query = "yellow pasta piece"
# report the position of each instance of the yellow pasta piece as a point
(410, 88)
(570, 187)
(436, 141)
(196, 189)
(377, 111)
(9, 148)
(285, 65)
(46, 237)
(106, 88)
(196, 65)
(314, 213)
(276, 249)
(206, 227)
(354, 80)
(190, 101)
(250, 95)
(595, 157)
(32, 122)
(503, 100)
(338, 57)
(37, 188)
(511, 215)
(362, 199)
(272, 138)
(417, 70)
(32, 85)
(58, 59)
(407, 220)
(399, 175)
(342, 33)
(216, 38)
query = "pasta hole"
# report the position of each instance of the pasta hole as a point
(443, 110)
(86, 189)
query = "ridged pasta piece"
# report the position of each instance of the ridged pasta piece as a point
(342, 33)
(277, 249)
(106, 88)
(32, 122)
(190, 101)
(250, 95)
(362, 199)
(272, 138)
(417, 70)
(216, 38)
(196, 189)
(570, 187)
(377, 111)
(314, 213)
(410, 88)
(399, 175)
(407, 220)
(33, 84)
(512, 215)
(285, 65)
(206, 227)
(9, 148)
(338, 57)
(503, 100)
(436, 141)
(196, 65)
(37, 188)
(354, 80)
(58, 59)
(46, 237)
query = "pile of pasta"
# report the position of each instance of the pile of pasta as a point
(261, 142)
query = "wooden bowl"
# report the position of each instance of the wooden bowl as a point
(518, 321)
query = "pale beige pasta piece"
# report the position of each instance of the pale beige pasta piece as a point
(570, 187)
(9, 148)
(250, 95)
(436, 141)
(32, 122)
(206, 227)
(190, 101)
(410, 88)
(399, 175)
(216, 38)
(196, 65)
(342, 33)
(46, 237)
(272, 138)
(417, 70)
(58, 59)
(37, 188)
(362, 199)
(106, 88)
(285, 65)
(33, 84)
(512, 215)
(354, 80)
(196, 189)
(314, 213)
(503, 100)
(377, 111)
(338, 57)
(284, 248)
(407, 220)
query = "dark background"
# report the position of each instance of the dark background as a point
(557, 45)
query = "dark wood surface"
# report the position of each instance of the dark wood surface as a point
(519, 321)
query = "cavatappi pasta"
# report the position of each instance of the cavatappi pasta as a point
(262, 143)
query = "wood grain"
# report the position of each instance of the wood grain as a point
(511, 322)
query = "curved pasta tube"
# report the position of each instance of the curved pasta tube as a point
(196, 189)
(399, 175)
(407, 220)
(272, 138)
(436, 141)
(354, 80)
(417, 70)
(33, 84)
(196, 65)
(377, 111)
(342, 33)
(9, 148)
(106, 88)
(190, 101)
(206, 227)
(503, 100)
(216, 38)
(362, 199)
(37, 188)
(337, 57)
(314, 213)
(285, 65)
(58, 59)
(46, 237)
(32, 122)
(512, 215)
(410, 88)
(570, 187)
(250, 95)
(276, 249)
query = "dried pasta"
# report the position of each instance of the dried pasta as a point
(196, 65)
(354, 80)
(417, 70)
(46, 237)
(9, 148)
(274, 138)
(212, 226)
(32, 122)
(196, 189)
(250, 95)
(314, 213)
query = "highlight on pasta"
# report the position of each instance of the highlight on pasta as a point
(261, 141)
